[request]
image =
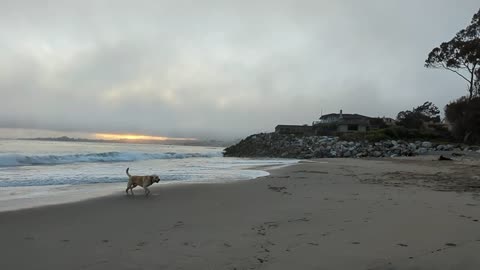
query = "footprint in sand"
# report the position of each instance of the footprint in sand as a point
(65, 240)
(355, 243)
(402, 245)
(450, 244)
(178, 224)
(299, 220)
(261, 260)
(277, 189)
(141, 244)
(189, 244)
(29, 238)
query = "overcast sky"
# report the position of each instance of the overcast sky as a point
(218, 69)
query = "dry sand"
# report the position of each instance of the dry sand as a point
(326, 214)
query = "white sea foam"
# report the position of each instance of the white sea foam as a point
(11, 160)
(32, 171)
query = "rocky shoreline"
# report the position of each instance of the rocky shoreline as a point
(275, 145)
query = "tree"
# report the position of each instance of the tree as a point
(461, 55)
(420, 115)
(464, 116)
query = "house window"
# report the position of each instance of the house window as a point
(352, 127)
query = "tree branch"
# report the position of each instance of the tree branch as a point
(468, 68)
(458, 73)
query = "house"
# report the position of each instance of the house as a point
(389, 121)
(342, 123)
(335, 123)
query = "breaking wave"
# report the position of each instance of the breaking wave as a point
(12, 160)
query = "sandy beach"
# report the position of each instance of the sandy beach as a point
(325, 214)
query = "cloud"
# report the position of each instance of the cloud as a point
(218, 69)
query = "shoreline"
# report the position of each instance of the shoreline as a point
(321, 214)
(15, 199)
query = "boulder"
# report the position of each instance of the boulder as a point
(426, 144)
(412, 146)
(422, 151)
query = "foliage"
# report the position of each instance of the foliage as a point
(378, 122)
(420, 115)
(395, 133)
(464, 116)
(461, 55)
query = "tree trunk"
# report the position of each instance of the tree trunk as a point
(467, 137)
(472, 83)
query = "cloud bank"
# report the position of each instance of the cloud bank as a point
(218, 69)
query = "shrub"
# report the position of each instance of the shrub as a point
(464, 116)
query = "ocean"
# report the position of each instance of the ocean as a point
(37, 173)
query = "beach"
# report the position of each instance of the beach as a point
(320, 214)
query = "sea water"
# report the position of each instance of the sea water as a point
(35, 173)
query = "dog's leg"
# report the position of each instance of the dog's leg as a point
(132, 187)
(129, 185)
(147, 191)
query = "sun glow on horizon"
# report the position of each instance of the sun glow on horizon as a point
(137, 137)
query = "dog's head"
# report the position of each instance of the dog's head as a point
(155, 179)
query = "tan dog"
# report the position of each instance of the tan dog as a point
(144, 181)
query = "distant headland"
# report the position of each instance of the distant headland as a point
(213, 143)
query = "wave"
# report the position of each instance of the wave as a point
(13, 160)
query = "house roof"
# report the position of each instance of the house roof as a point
(345, 116)
(293, 126)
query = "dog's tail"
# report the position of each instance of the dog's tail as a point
(127, 172)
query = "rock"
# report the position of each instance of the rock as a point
(308, 156)
(442, 158)
(422, 151)
(447, 147)
(474, 148)
(426, 144)
(412, 146)
(291, 146)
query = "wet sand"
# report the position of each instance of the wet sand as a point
(325, 214)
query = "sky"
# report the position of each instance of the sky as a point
(217, 69)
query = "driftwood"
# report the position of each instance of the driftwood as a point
(442, 158)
